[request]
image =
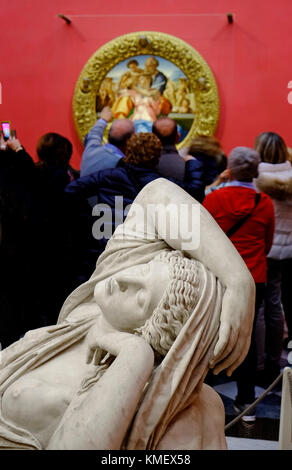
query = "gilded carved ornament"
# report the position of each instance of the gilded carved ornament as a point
(200, 79)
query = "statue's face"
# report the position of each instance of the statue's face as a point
(129, 297)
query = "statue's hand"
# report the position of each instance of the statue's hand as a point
(95, 353)
(235, 329)
(102, 338)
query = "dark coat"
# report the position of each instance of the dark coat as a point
(17, 231)
(53, 241)
(127, 181)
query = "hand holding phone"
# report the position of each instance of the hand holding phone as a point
(2, 141)
(5, 127)
(14, 144)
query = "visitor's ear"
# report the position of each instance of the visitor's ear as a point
(230, 175)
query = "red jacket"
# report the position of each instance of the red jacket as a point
(254, 238)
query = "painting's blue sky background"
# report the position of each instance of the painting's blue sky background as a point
(170, 70)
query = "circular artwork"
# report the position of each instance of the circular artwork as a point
(143, 76)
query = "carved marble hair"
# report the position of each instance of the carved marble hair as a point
(176, 305)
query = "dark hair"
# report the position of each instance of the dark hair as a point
(166, 130)
(54, 149)
(221, 162)
(133, 61)
(144, 149)
(271, 147)
(209, 149)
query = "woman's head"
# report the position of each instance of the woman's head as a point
(153, 300)
(209, 148)
(54, 150)
(205, 144)
(271, 147)
(143, 148)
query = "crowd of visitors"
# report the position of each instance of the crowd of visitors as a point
(55, 222)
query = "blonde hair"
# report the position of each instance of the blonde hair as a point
(271, 147)
(176, 305)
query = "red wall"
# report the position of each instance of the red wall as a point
(41, 58)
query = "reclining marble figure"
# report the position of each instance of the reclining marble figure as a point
(125, 364)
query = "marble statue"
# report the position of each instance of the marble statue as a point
(125, 364)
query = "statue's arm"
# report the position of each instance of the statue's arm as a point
(219, 255)
(100, 417)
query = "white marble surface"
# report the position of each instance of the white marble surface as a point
(238, 443)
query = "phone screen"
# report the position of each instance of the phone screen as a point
(6, 129)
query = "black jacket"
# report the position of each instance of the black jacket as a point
(127, 181)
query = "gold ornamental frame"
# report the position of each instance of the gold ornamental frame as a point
(171, 48)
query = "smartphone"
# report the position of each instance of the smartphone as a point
(5, 126)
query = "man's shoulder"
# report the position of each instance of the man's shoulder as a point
(170, 151)
(266, 199)
(100, 159)
(172, 157)
(171, 164)
(166, 149)
(99, 150)
(216, 194)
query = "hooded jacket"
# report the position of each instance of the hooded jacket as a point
(253, 239)
(276, 181)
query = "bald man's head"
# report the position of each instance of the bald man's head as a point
(120, 132)
(166, 130)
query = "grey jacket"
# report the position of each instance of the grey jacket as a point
(171, 164)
